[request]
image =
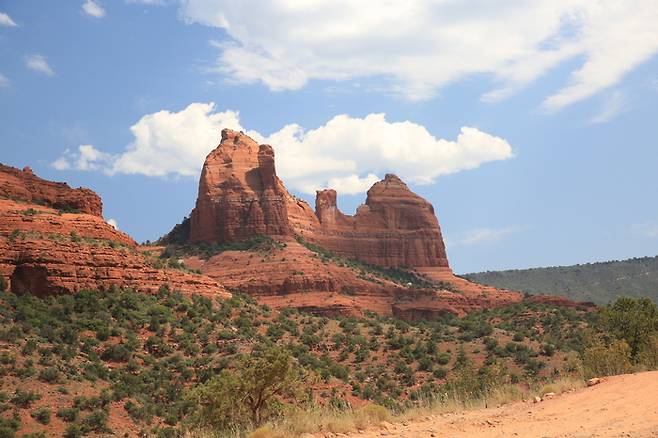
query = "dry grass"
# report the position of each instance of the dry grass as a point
(321, 419)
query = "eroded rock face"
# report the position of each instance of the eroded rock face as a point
(395, 227)
(23, 185)
(45, 251)
(240, 197)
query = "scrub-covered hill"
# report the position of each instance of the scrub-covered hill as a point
(596, 282)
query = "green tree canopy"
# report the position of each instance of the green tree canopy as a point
(633, 320)
(249, 393)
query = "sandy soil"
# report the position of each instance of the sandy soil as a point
(621, 406)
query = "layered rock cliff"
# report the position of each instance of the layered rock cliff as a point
(395, 227)
(24, 185)
(53, 240)
(240, 196)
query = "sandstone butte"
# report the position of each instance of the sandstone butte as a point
(53, 239)
(241, 197)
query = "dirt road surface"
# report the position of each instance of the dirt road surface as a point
(621, 406)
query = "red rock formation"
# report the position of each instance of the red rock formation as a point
(395, 227)
(25, 186)
(46, 251)
(240, 195)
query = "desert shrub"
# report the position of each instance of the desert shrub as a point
(41, 415)
(50, 375)
(4, 285)
(9, 426)
(39, 434)
(116, 353)
(96, 421)
(649, 354)
(68, 414)
(24, 398)
(443, 358)
(600, 359)
(634, 321)
(7, 358)
(469, 383)
(247, 395)
(440, 373)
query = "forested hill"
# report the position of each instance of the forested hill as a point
(596, 282)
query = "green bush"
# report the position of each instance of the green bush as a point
(247, 395)
(50, 375)
(41, 415)
(634, 321)
(9, 426)
(24, 398)
(443, 358)
(68, 414)
(600, 359)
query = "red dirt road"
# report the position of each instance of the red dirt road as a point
(621, 406)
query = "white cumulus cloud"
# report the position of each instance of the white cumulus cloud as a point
(86, 158)
(346, 153)
(113, 223)
(5, 20)
(93, 9)
(39, 63)
(419, 46)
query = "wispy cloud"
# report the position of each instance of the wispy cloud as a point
(654, 84)
(286, 45)
(615, 104)
(148, 2)
(39, 63)
(647, 229)
(93, 9)
(5, 20)
(481, 235)
(4, 82)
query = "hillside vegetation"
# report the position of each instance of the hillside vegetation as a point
(596, 282)
(151, 365)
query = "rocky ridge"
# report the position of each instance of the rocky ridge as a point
(53, 239)
(241, 197)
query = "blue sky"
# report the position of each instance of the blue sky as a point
(531, 126)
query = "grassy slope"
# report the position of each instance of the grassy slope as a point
(596, 282)
(122, 361)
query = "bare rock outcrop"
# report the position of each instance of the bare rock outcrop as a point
(395, 227)
(24, 185)
(240, 196)
(45, 250)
